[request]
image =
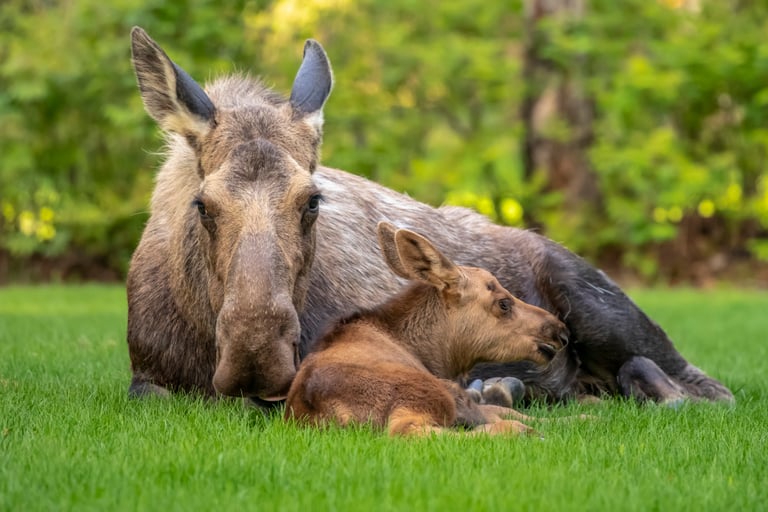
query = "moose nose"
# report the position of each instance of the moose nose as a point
(225, 381)
(257, 362)
(247, 380)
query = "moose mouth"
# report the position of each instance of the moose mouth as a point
(263, 404)
(277, 398)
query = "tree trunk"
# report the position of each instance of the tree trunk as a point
(557, 114)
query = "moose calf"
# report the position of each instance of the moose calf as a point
(392, 365)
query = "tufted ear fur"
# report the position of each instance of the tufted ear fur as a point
(171, 96)
(312, 84)
(386, 232)
(413, 257)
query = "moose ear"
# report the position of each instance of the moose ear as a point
(386, 232)
(170, 95)
(312, 84)
(424, 262)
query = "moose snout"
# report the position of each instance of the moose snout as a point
(257, 355)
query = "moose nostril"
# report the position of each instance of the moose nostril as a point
(296, 355)
(563, 336)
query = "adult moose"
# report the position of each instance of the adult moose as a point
(395, 365)
(252, 247)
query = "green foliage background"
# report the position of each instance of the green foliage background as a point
(427, 101)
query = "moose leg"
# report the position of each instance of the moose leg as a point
(407, 422)
(700, 385)
(609, 330)
(484, 418)
(497, 422)
(495, 411)
(504, 427)
(642, 379)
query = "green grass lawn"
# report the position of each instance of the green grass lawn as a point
(71, 440)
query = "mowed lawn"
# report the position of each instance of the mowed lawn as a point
(71, 440)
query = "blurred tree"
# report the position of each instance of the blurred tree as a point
(428, 100)
(558, 115)
(76, 172)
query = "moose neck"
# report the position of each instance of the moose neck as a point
(418, 321)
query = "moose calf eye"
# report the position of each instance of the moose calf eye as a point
(201, 208)
(505, 305)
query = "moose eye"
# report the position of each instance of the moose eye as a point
(201, 209)
(313, 206)
(505, 305)
(206, 219)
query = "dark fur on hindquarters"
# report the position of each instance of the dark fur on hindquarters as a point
(642, 379)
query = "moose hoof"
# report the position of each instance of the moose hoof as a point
(476, 384)
(503, 392)
(516, 388)
(497, 394)
(474, 395)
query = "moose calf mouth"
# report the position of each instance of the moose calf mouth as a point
(549, 350)
(555, 342)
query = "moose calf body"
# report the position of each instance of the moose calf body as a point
(392, 365)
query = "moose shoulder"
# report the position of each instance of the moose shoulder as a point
(252, 248)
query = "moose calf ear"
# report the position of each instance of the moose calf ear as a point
(170, 95)
(312, 84)
(386, 232)
(424, 262)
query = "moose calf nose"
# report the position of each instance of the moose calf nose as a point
(556, 332)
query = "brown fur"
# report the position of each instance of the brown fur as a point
(241, 264)
(392, 365)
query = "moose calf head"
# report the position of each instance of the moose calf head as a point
(474, 318)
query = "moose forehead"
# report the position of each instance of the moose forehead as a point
(238, 129)
(259, 160)
(259, 167)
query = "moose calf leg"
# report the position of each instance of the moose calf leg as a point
(499, 412)
(504, 427)
(642, 379)
(407, 422)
